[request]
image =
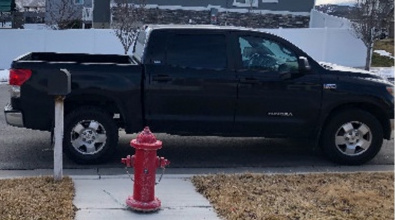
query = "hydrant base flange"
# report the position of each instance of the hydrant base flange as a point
(139, 206)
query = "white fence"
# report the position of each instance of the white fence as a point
(333, 45)
(14, 43)
(323, 44)
(321, 20)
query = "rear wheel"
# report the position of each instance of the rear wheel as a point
(90, 135)
(352, 137)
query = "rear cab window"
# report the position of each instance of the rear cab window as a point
(197, 51)
(138, 49)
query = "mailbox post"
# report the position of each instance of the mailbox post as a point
(59, 85)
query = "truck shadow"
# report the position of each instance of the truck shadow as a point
(220, 152)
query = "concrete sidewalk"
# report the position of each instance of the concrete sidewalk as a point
(104, 198)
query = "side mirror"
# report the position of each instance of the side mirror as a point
(304, 65)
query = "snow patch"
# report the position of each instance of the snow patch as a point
(386, 72)
(384, 53)
(333, 66)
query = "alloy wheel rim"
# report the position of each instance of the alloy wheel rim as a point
(88, 137)
(353, 138)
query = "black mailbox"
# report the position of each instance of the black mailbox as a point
(59, 83)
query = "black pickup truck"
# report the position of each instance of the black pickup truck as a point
(205, 80)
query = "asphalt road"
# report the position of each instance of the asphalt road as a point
(27, 149)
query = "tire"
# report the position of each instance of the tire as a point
(352, 137)
(90, 136)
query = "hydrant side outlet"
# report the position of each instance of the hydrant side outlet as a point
(128, 161)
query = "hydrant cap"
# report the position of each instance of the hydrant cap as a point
(146, 137)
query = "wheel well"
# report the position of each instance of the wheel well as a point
(372, 109)
(102, 102)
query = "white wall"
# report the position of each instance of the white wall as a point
(323, 44)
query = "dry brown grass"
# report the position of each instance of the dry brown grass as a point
(300, 196)
(383, 61)
(37, 198)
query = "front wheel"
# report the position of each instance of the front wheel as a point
(352, 137)
(90, 135)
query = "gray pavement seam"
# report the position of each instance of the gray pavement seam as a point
(114, 199)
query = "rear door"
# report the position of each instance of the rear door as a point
(274, 97)
(191, 89)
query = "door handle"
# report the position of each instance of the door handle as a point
(161, 78)
(249, 81)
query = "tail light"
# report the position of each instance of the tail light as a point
(19, 76)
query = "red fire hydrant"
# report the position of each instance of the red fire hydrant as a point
(145, 162)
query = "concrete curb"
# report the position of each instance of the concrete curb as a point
(188, 172)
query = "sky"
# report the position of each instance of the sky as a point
(320, 2)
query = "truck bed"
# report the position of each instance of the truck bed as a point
(76, 58)
(95, 79)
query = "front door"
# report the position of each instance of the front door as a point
(274, 97)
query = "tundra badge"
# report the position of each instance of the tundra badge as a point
(281, 114)
(330, 86)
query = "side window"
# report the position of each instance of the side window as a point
(263, 54)
(138, 49)
(199, 51)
